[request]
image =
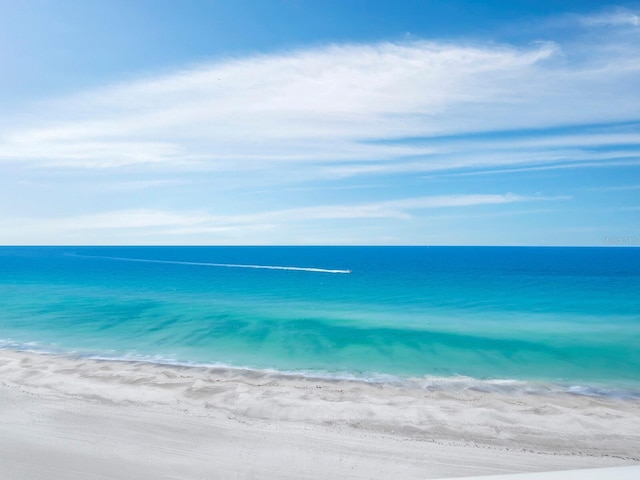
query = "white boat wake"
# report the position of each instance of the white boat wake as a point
(223, 265)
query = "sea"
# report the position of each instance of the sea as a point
(515, 318)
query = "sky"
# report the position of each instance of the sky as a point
(290, 122)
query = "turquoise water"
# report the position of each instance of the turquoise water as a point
(570, 316)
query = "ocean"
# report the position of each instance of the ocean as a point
(488, 317)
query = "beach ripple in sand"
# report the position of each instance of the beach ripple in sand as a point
(552, 422)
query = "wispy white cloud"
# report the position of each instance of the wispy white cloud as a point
(326, 105)
(611, 18)
(635, 162)
(151, 222)
(399, 209)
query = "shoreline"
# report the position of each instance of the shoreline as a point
(429, 433)
(595, 389)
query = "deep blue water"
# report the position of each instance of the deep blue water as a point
(564, 315)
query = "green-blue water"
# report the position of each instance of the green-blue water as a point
(569, 316)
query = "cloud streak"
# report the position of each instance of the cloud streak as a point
(149, 222)
(611, 18)
(328, 104)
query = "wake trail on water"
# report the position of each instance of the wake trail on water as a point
(221, 265)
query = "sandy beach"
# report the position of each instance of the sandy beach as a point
(69, 418)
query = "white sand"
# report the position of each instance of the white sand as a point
(611, 473)
(63, 418)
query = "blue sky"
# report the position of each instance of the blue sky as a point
(335, 122)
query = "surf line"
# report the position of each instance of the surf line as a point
(222, 265)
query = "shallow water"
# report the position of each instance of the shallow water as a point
(568, 316)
